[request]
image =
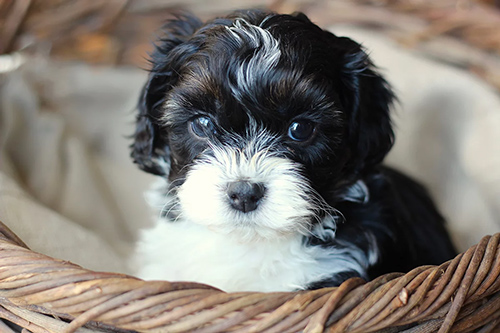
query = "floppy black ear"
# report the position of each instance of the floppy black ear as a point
(150, 147)
(368, 98)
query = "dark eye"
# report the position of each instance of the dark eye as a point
(301, 130)
(202, 127)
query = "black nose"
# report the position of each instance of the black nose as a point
(245, 196)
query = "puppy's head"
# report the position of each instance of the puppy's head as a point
(260, 121)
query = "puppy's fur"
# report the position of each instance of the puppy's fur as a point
(269, 133)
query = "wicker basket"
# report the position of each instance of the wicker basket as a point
(461, 32)
(43, 294)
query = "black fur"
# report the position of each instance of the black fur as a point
(325, 79)
(402, 217)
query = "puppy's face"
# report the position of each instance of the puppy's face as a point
(260, 122)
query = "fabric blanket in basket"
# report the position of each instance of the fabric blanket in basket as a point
(69, 189)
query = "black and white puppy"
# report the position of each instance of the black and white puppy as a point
(269, 132)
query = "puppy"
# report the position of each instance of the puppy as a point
(269, 133)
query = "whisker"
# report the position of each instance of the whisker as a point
(164, 212)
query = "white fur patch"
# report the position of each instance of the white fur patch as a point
(265, 58)
(285, 209)
(185, 251)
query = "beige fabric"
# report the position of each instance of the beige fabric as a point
(69, 189)
(67, 185)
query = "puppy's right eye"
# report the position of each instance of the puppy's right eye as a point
(202, 126)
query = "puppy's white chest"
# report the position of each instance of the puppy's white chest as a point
(182, 251)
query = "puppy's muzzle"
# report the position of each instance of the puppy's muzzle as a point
(245, 196)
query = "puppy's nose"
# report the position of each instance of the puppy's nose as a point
(245, 196)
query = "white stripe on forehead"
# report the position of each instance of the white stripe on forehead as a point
(255, 34)
(266, 56)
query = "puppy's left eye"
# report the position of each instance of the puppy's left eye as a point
(202, 126)
(301, 130)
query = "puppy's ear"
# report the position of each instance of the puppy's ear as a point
(150, 147)
(368, 98)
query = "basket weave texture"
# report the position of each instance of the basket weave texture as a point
(43, 294)
(465, 33)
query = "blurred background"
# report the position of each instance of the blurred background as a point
(71, 72)
(119, 32)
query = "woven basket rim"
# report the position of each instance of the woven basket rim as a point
(460, 295)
